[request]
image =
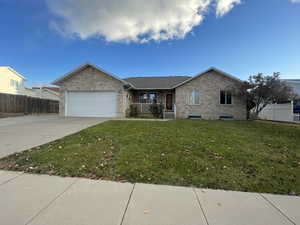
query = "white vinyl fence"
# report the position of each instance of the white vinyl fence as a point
(297, 117)
(280, 112)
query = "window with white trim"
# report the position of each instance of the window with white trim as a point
(195, 97)
(14, 83)
(225, 98)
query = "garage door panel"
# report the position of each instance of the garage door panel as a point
(92, 104)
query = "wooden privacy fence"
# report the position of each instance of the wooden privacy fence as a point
(27, 105)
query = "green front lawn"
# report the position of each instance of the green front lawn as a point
(235, 155)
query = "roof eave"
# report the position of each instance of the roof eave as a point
(82, 67)
(140, 89)
(204, 72)
(18, 74)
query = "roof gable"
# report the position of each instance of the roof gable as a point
(12, 71)
(148, 83)
(81, 68)
(208, 70)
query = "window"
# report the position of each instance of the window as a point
(14, 83)
(148, 98)
(225, 98)
(195, 97)
(143, 98)
(153, 98)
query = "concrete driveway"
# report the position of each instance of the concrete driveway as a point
(20, 133)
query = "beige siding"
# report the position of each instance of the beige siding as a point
(210, 85)
(5, 76)
(91, 79)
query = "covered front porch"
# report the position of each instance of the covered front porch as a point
(143, 99)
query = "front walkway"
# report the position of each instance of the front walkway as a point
(49, 200)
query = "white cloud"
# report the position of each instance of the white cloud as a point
(295, 1)
(132, 20)
(224, 6)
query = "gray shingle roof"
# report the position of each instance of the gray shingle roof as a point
(167, 82)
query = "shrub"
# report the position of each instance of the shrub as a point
(157, 110)
(133, 111)
(127, 112)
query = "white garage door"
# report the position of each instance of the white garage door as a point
(91, 104)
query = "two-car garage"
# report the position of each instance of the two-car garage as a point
(89, 91)
(91, 104)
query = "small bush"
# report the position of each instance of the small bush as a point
(157, 110)
(133, 111)
(127, 113)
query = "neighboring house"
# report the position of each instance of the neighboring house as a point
(287, 111)
(88, 91)
(295, 85)
(54, 89)
(44, 93)
(11, 82)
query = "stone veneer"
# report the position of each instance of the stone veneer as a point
(91, 79)
(210, 85)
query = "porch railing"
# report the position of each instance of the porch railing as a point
(297, 117)
(145, 108)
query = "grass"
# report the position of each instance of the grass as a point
(234, 155)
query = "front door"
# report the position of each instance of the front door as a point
(169, 102)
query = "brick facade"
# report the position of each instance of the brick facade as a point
(91, 79)
(210, 85)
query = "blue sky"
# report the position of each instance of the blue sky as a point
(43, 40)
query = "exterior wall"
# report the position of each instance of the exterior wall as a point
(209, 85)
(91, 79)
(62, 102)
(5, 76)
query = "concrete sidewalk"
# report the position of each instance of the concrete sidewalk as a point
(50, 200)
